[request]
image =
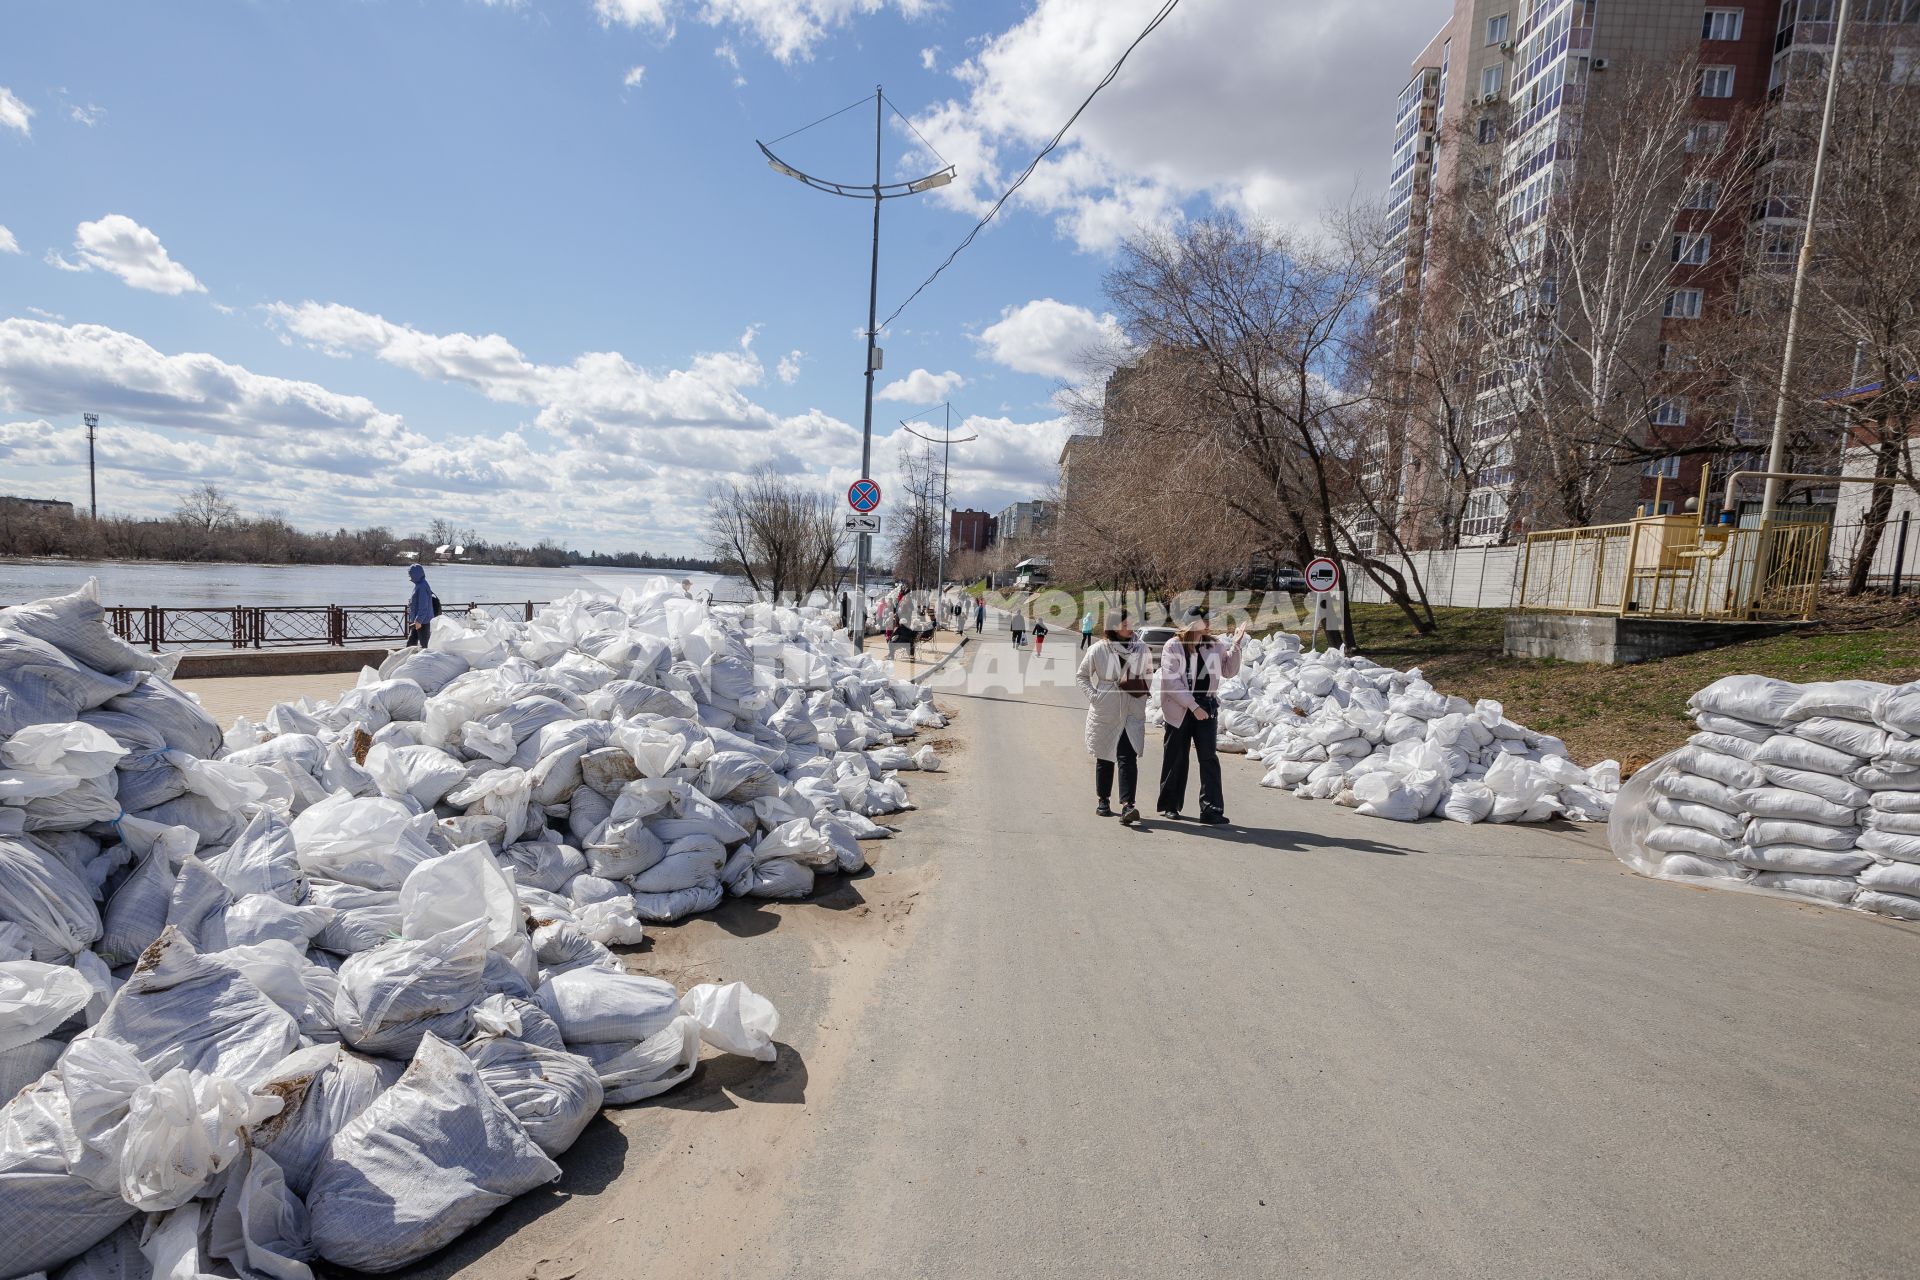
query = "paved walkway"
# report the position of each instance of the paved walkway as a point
(228, 697)
(1310, 1044)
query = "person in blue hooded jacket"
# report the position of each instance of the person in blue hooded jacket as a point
(419, 608)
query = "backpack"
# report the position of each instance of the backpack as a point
(436, 604)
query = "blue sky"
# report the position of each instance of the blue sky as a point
(520, 264)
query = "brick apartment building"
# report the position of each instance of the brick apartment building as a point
(969, 530)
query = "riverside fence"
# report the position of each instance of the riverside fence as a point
(280, 626)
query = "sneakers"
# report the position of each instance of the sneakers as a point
(1129, 815)
(1171, 815)
(1214, 819)
(1103, 809)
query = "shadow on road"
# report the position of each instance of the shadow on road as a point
(1271, 838)
(782, 1081)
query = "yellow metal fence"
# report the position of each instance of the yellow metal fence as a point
(1676, 567)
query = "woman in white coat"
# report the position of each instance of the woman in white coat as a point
(1113, 675)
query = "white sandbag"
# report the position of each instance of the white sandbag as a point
(76, 625)
(259, 1225)
(1779, 831)
(182, 1009)
(448, 892)
(1697, 790)
(35, 998)
(1687, 814)
(612, 923)
(425, 1162)
(1886, 776)
(1797, 806)
(263, 860)
(1673, 838)
(1692, 865)
(1890, 844)
(1798, 753)
(596, 1006)
(1892, 877)
(363, 840)
(1758, 699)
(1730, 771)
(1850, 736)
(1838, 890)
(1825, 785)
(1897, 709)
(505, 794)
(396, 993)
(73, 750)
(425, 774)
(1902, 823)
(1839, 699)
(733, 1019)
(543, 864)
(1728, 745)
(1802, 858)
(1898, 905)
(1883, 802)
(179, 1132)
(689, 860)
(631, 1072)
(55, 1208)
(174, 714)
(1467, 801)
(775, 878)
(1734, 727)
(48, 901)
(552, 1094)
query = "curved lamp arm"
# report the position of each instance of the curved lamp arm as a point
(881, 191)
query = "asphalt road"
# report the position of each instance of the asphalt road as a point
(1310, 1044)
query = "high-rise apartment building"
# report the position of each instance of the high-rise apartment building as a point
(1494, 104)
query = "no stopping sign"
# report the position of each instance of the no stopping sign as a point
(1323, 575)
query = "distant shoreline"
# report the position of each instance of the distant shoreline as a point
(58, 561)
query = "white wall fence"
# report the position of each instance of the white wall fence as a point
(1467, 578)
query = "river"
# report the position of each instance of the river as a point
(177, 585)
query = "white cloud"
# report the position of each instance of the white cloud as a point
(922, 387)
(122, 247)
(613, 454)
(1047, 337)
(789, 367)
(7, 243)
(89, 115)
(633, 77)
(1293, 121)
(930, 57)
(787, 29)
(15, 114)
(1010, 461)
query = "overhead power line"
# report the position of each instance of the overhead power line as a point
(1158, 18)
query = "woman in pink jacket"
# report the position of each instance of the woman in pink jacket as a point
(1192, 666)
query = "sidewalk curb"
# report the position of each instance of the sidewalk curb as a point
(939, 666)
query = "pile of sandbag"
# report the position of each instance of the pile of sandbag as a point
(338, 984)
(1812, 791)
(1330, 726)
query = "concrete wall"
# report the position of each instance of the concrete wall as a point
(1613, 641)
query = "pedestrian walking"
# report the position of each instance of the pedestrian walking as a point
(1039, 635)
(1086, 630)
(979, 616)
(1193, 665)
(422, 605)
(1019, 625)
(1113, 676)
(846, 611)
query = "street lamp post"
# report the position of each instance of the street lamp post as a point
(946, 443)
(93, 490)
(877, 192)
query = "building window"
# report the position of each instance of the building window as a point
(1706, 138)
(1670, 411)
(1489, 129)
(1491, 78)
(1721, 24)
(1703, 195)
(1667, 468)
(1716, 82)
(1682, 304)
(1497, 29)
(1691, 248)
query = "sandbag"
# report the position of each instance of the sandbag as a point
(425, 1162)
(597, 1006)
(397, 993)
(553, 1094)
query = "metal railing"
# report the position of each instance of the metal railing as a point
(1675, 567)
(279, 626)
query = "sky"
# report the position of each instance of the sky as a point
(518, 263)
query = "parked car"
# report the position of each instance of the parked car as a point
(1291, 580)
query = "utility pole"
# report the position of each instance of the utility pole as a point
(946, 443)
(93, 490)
(857, 621)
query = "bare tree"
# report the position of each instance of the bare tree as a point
(206, 509)
(779, 536)
(1265, 333)
(916, 516)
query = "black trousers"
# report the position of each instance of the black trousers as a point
(417, 636)
(1200, 735)
(1129, 763)
(1086, 639)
